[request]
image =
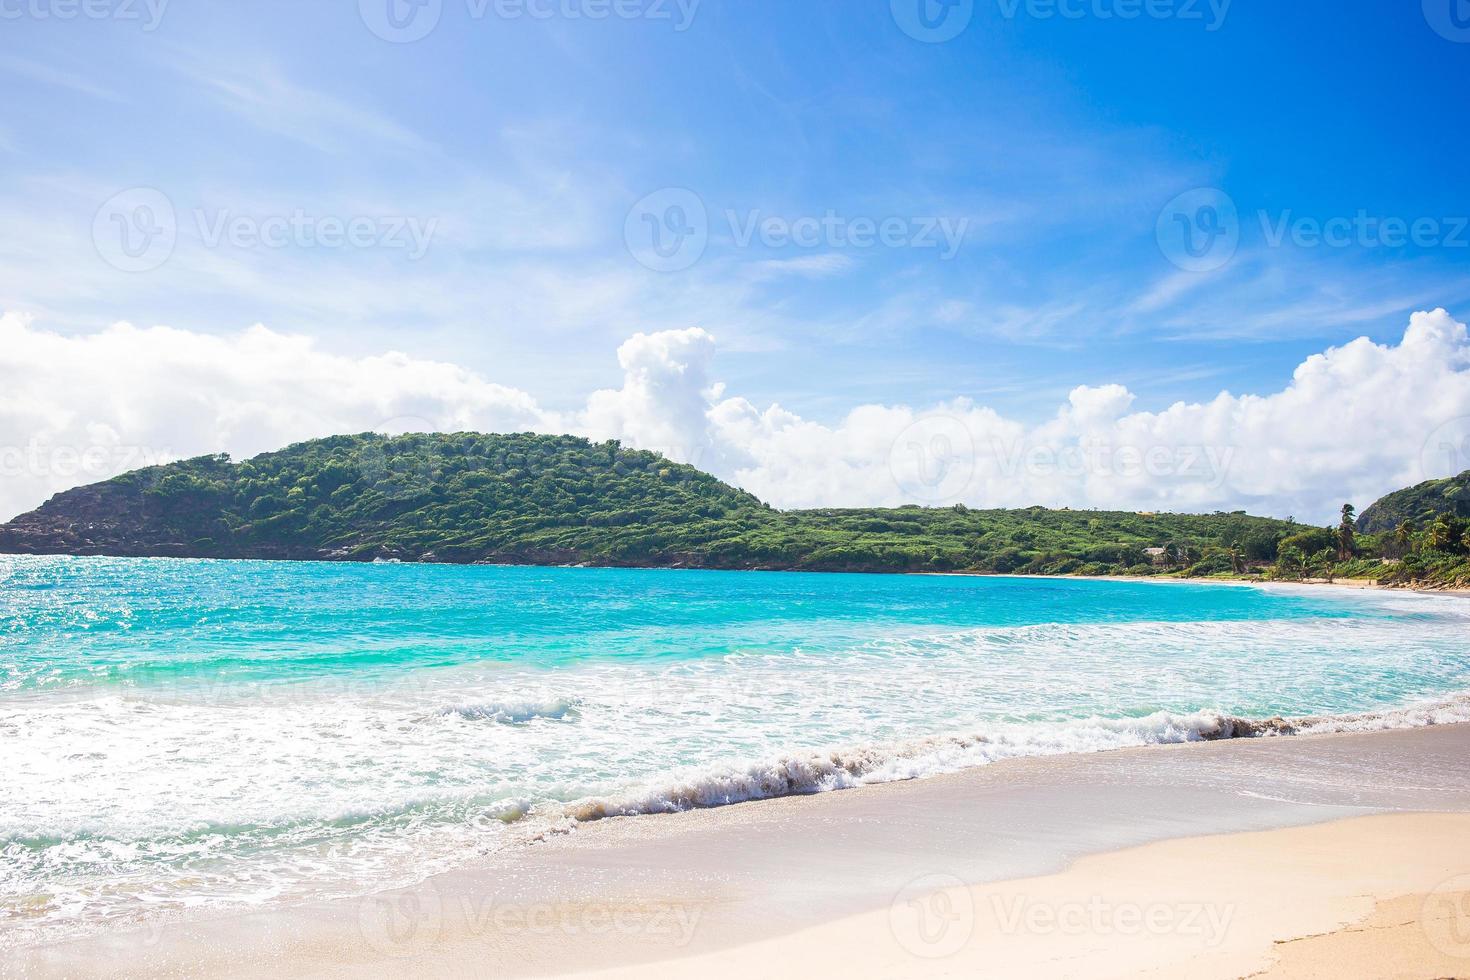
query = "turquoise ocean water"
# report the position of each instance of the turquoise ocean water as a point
(185, 735)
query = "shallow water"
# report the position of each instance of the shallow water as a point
(178, 735)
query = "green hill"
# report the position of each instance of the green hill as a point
(468, 497)
(1420, 504)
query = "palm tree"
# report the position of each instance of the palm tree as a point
(1446, 534)
(1290, 562)
(1439, 535)
(1403, 536)
(1237, 563)
(1323, 561)
(1345, 532)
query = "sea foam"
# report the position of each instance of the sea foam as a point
(513, 712)
(845, 768)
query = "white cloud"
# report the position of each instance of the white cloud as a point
(78, 409)
(1355, 421)
(664, 398)
(812, 266)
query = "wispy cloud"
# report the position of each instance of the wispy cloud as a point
(811, 266)
(1168, 290)
(267, 99)
(52, 75)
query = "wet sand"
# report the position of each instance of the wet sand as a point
(1216, 859)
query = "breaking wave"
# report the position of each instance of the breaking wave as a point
(513, 712)
(819, 772)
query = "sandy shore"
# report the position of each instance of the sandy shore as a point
(1302, 902)
(1340, 855)
(1358, 584)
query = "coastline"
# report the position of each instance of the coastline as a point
(1341, 583)
(1354, 584)
(1298, 836)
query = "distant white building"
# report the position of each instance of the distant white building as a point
(1158, 556)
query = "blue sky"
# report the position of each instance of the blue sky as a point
(1034, 166)
(1058, 140)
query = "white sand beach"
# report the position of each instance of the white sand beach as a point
(1342, 855)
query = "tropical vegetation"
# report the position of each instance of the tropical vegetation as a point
(524, 498)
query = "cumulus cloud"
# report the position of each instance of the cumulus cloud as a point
(665, 395)
(1354, 421)
(78, 409)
